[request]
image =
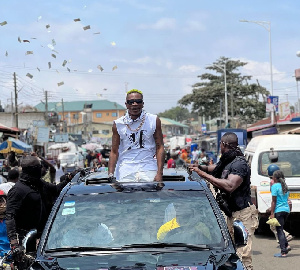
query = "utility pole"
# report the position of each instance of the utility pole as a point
(220, 126)
(63, 114)
(126, 87)
(46, 107)
(16, 100)
(231, 107)
(12, 107)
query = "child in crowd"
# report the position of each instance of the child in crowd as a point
(280, 209)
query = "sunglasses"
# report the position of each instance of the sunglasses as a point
(224, 143)
(131, 101)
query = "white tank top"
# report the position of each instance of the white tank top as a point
(137, 148)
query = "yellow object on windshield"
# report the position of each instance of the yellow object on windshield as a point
(165, 228)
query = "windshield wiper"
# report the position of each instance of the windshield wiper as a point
(170, 245)
(76, 249)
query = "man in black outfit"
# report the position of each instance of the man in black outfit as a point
(28, 201)
(231, 175)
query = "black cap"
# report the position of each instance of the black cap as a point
(30, 161)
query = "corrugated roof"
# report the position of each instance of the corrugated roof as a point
(170, 122)
(73, 106)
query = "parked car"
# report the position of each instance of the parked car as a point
(174, 224)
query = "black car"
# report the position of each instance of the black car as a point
(168, 225)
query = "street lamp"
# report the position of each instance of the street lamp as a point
(223, 68)
(297, 77)
(267, 26)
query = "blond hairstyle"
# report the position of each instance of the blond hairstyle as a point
(135, 91)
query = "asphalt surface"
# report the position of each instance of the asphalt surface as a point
(265, 246)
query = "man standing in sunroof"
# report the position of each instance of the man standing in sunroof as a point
(137, 152)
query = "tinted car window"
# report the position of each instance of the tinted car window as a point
(118, 219)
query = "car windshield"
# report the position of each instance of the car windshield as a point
(288, 162)
(120, 219)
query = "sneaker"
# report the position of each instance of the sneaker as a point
(290, 238)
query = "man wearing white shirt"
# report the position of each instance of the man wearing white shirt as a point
(59, 172)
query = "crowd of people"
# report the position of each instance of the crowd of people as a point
(96, 159)
(183, 157)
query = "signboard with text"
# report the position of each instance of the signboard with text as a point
(43, 134)
(284, 110)
(61, 138)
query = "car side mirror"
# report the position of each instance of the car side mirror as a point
(240, 233)
(29, 241)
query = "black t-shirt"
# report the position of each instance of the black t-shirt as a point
(25, 204)
(30, 207)
(241, 197)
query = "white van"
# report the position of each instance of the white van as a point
(72, 159)
(259, 152)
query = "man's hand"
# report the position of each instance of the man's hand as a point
(17, 252)
(193, 165)
(197, 170)
(158, 177)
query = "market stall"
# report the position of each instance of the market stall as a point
(14, 145)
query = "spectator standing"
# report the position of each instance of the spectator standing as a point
(231, 175)
(280, 209)
(172, 162)
(12, 178)
(203, 159)
(195, 155)
(28, 202)
(59, 172)
(89, 158)
(4, 242)
(271, 169)
(12, 160)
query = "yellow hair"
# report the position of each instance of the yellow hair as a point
(134, 91)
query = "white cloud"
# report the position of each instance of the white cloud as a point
(161, 24)
(193, 25)
(189, 68)
(261, 71)
(143, 60)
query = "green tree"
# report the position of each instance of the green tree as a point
(246, 101)
(177, 113)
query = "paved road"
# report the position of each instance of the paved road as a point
(264, 248)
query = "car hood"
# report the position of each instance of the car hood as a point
(144, 260)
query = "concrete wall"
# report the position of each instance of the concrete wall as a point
(24, 119)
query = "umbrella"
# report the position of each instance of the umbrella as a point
(91, 146)
(14, 145)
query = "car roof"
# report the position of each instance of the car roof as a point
(276, 141)
(173, 179)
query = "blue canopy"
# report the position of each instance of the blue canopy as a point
(14, 145)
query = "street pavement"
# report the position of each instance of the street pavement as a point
(264, 247)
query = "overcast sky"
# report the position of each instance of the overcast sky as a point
(158, 47)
